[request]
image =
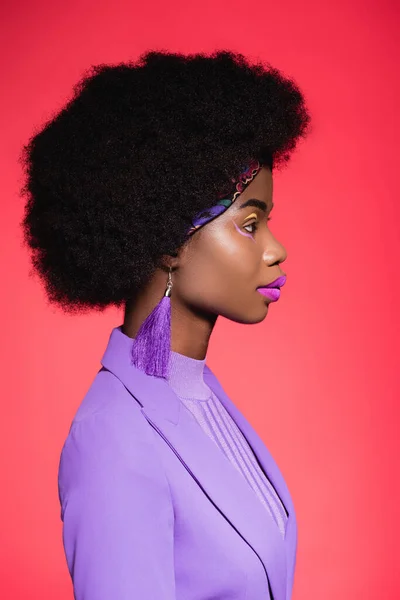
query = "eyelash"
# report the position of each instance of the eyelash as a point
(255, 224)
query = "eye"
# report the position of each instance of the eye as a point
(255, 224)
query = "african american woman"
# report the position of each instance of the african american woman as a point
(152, 190)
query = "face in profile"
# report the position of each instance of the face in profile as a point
(226, 260)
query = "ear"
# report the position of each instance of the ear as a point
(169, 260)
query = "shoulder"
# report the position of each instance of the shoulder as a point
(109, 437)
(108, 409)
(106, 395)
(109, 414)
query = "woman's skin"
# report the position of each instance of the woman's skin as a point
(216, 272)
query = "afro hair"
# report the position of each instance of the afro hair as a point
(114, 179)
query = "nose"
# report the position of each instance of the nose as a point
(274, 252)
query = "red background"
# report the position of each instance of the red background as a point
(319, 377)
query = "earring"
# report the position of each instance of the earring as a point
(152, 344)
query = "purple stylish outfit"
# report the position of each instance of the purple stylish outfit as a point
(168, 493)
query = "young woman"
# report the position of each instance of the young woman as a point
(152, 190)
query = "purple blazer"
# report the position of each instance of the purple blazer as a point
(152, 509)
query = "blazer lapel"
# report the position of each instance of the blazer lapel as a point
(222, 483)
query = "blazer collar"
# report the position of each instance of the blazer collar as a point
(222, 483)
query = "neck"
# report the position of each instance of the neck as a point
(190, 330)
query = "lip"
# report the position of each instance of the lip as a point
(272, 294)
(276, 283)
(272, 290)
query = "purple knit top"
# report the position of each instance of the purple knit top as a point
(187, 381)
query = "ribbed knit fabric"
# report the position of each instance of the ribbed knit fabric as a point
(187, 381)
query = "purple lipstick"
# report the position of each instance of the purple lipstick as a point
(272, 290)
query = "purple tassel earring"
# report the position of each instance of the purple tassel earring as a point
(152, 344)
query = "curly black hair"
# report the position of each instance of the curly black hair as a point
(114, 179)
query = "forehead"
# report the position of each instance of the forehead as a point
(261, 188)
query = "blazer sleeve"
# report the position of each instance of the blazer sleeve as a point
(116, 510)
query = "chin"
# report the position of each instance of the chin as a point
(252, 318)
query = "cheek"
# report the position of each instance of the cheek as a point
(204, 272)
(214, 268)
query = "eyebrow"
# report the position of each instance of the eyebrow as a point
(257, 203)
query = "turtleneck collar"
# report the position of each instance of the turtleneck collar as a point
(186, 377)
